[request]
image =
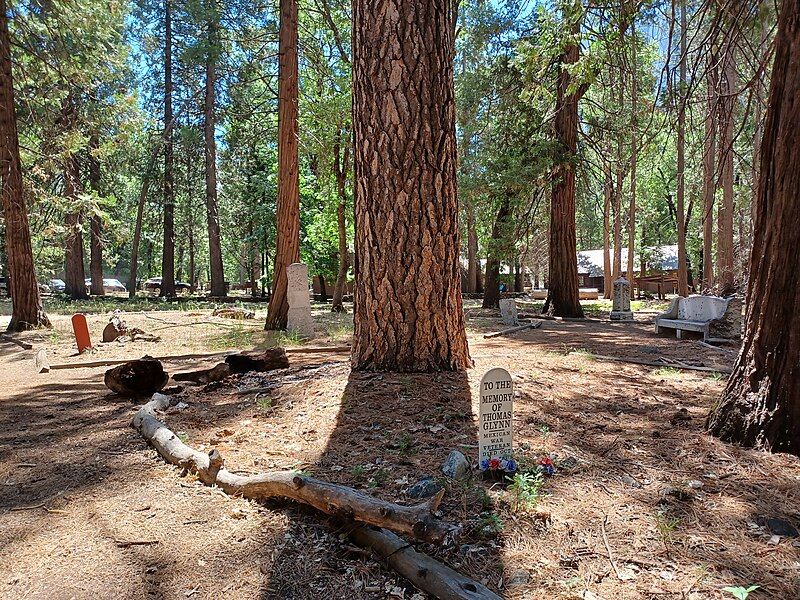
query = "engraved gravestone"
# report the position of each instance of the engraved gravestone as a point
(299, 317)
(621, 307)
(508, 311)
(496, 415)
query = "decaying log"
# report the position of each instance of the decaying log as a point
(11, 340)
(137, 377)
(424, 572)
(267, 360)
(216, 373)
(417, 521)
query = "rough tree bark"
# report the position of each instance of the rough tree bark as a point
(341, 165)
(683, 285)
(26, 311)
(634, 153)
(608, 194)
(95, 224)
(167, 289)
(212, 208)
(408, 312)
(709, 170)
(563, 271)
(287, 224)
(491, 293)
(761, 403)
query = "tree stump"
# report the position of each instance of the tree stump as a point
(137, 377)
(268, 360)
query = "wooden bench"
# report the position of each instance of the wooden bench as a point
(713, 316)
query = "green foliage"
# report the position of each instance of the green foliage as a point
(525, 489)
(740, 593)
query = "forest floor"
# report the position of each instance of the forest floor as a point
(643, 504)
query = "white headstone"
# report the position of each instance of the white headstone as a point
(621, 299)
(299, 318)
(508, 311)
(496, 415)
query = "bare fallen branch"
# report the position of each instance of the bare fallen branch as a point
(417, 521)
(653, 363)
(531, 325)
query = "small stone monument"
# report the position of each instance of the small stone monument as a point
(496, 421)
(621, 308)
(299, 318)
(508, 311)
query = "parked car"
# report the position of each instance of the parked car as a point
(58, 286)
(154, 285)
(109, 285)
(43, 289)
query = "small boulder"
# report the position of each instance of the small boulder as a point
(456, 466)
(426, 487)
(782, 528)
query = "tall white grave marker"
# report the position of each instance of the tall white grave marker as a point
(496, 415)
(299, 317)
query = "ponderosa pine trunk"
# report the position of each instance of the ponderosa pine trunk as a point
(608, 193)
(167, 289)
(761, 403)
(26, 310)
(491, 293)
(95, 224)
(212, 207)
(408, 311)
(287, 225)
(341, 165)
(473, 266)
(680, 217)
(74, 273)
(562, 285)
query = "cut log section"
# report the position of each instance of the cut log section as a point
(268, 360)
(338, 500)
(137, 377)
(426, 573)
(216, 373)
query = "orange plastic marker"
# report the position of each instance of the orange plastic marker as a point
(81, 330)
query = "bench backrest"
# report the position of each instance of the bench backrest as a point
(702, 308)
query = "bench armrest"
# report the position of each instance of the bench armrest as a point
(672, 311)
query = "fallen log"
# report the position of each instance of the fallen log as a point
(216, 373)
(654, 363)
(137, 377)
(531, 325)
(333, 499)
(424, 572)
(268, 360)
(24, 345)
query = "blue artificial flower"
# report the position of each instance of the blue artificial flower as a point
(511, 466)
(484, 464)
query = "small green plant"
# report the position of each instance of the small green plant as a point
(357, 472)
(405, 445)
(667, 372)
(264, 403)
(183, 436)
(490, 524)
(666, 526)
(288, 338)
(525, 488)
(378, 479)
(740, 593)
(716, 376)
(544, 428)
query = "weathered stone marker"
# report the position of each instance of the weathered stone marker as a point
(508, 311)
(496, 415)
(299, 317)
(621, 308)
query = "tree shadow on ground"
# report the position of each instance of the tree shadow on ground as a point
(391, 431)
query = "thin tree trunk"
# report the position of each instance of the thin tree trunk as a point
(563, 269)
(95, 226)
(491, 293)
(408, 311)
(634, 151)
(761, 403)
(287, 224)
(168, 248)
(26, 310)
(608, 193)
(518, 283)
(726, 104)
(683, 286)
(341, 165)
(709, 172)
(473, 267)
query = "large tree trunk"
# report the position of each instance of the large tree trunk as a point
(563, 272)
(341, 165)
(95, 226)
(634, 151)
(761, 403)
(491, 293)
(727, 104)
(168, 247)
(212, 209)
(608, 193)
(408, 312)
(287, 224)
(26, 311)
(709, 171)
(680, 217)
(74, 274)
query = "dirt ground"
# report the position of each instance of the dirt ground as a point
(642, 505)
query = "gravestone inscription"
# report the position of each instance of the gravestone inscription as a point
(496, 415)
